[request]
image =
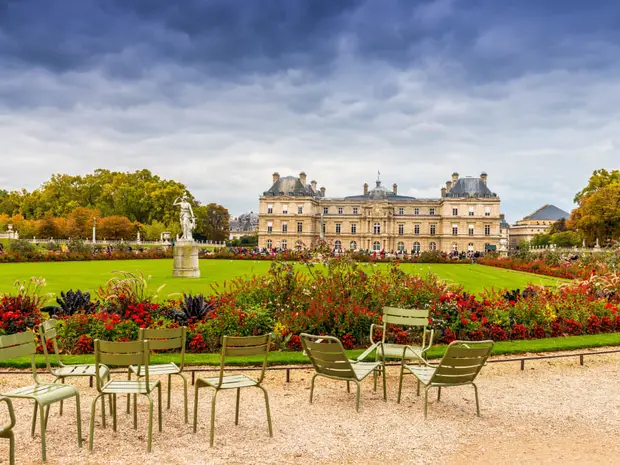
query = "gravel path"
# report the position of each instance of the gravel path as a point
(554, 411)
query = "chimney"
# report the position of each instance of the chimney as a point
(313, 184)
(276, 176)
(455, 178)
(448, 186)
(443, 191)
(395, 188)
(322, 192)
(483, 178)
(365, 188)
(302, 178)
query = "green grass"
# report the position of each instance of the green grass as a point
(552, 344)
(89, 275)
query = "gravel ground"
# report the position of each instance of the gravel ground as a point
(554, 411)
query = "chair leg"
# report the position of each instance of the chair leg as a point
(113, 405)
(418, 392)
(312, 387)
(159, 402)
(477, 402)
(357, 397)
(11, 448)
(384, 384)
(438, 393)
(348, 387)
(42, 426)
(47, 415)
(150, 437)
(128, 395)
(196, 406)
(237, 406)
(135, 411)
(268, 410)
(78, 414)
(212, 433)
(62, 380)
(93, 411)
(169, 390)
(400, 382)
(426, 401)
(185, 395)
(34, 420)
(103, 411)
(374, 378)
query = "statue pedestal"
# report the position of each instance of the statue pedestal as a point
(185, 260)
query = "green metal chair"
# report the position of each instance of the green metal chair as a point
(22, 345)
(7, 431)
(125, 354)
(459, 366)
(60, 371)
(232, 347)
(164, 339)
(330, 361)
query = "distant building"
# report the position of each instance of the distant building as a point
(295, 214)
(243, 225)
(535, 223)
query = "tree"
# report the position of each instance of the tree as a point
(80, 222)
(598, 215)
(214, 221)
(599, 180)
(540, 240)
(116, 227)
(152, 232)
(566, 239)
(558, 226)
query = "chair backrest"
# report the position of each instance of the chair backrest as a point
(122, 354)
(327, 356)
(47, 331)
(405, 317)
(462, 362)
(19, 345)
(234, 346)
(165, 339)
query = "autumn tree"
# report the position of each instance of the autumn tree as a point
(116, 227)
(599, 180)
(213, 222)
(598, 215)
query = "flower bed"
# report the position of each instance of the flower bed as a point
(16, 257)
(342, 299)
(539, 266)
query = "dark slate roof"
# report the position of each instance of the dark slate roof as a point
(291, 185)
(379, 193)
(470, 187)
(549, 213)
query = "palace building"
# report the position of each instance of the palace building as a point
(295, 214)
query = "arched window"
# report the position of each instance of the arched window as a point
(401, 246)
(470, 247)
(416, 247)
(376, 246)
(432, 246)
(376, 229)
(283, 244)
(455, 247)
(337, 245)
(353, 245)
(269, 243)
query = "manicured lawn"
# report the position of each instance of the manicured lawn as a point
(90, 275)
(551, 344)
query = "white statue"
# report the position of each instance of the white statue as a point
(188, 220)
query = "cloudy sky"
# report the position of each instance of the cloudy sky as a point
(219, 94)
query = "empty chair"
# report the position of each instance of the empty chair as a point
(459, 366)
(7, 430)
(164, 339)
(21, 345)
(231, 347)
(125, 354)
(330, 361)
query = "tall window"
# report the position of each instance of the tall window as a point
(432, 246)
(416, 211)
(269, 208)
(433, 229)
(401, 229)
(431, 211)
(325, 210)
(455, 212)
(376, 246)
(471, 211)
(471, 229)
(376, 229)
(355, 210)
(353, 228)
(323, 228)
(337, 245)
(353, 245)
(416, 247)
(300, 209)
(269, 243)
(455, 229)
(337, 228)
(300, 227)
(283, 245)
(269, 226)
(487, 229)
(401, 246)
(284, 227)
(284, 209)
(487, 211)
(401, 211)
(416, 229)
(340, 210)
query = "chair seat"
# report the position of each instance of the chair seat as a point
(44, 394)
(396, 351)
(363, 369)
(164, 369)
(229, 381)
(66, 371)
(129, 387)
(424, 374)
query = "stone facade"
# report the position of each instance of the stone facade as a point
(294, 214)
(536, 223)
